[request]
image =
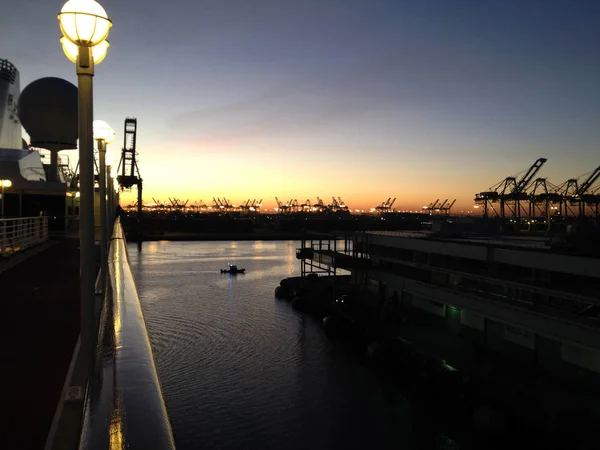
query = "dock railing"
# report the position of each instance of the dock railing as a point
(19, 234)
(124, 405)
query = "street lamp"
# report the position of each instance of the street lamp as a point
(85, 26)
(103, 134)
(3, 184)
(110, 209)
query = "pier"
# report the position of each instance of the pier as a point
(493, 307)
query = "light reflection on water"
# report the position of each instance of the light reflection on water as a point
(240, 369)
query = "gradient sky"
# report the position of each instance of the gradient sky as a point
(362, 99)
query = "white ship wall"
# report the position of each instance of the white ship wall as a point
(31, 167)
(10, 127)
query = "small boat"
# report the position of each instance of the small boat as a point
(233, 269)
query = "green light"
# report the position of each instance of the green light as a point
(448, 367)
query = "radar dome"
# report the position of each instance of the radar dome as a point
(47, 110)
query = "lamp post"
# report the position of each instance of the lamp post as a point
(85, 26)
(103, 134)
(110, 209)
(116, 199)
(3, 184)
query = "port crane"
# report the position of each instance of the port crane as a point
(306, 206)
(343, 206)
(245, 207)
(542, 198)
(509, 192)
(446, 207)
(386, 207)
(431, 206)
(158, 204)
(283, 208)
(198, 206)
(218, 204)
(441, 207)
(129, 173)
(579, 198)
(334, 205)
(178, 205)
(320, 205)
(222, 204)
(251, 206)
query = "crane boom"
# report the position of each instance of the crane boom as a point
(583, 188)
(531, 172)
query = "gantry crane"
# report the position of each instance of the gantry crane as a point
(283, 208)
(222, 204)
(334, 205)
(158, 205)
(542, 198)
(441, 207)
(198, 206)
(343, 206)
(129, 173)
(320, 205)
(226, 203)
(446, 208)
(178, 205)
(580, 196)
(294, 206)
(386, 206)
(509, 193)
(431, 206)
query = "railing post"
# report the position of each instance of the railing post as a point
(19, 234)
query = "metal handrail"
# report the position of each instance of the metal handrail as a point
(124, 404)
(21, 233)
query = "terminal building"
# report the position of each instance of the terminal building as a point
(515, 296)
(512, 294)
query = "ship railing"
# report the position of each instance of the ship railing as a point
(124, 404)
(21, 233)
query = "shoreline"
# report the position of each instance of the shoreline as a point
(227, 236)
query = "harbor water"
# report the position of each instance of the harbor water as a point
(242, 370)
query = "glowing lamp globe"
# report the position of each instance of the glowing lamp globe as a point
(103, 131)
(84, 22)
(71, 50)
(109, 159)
(6, 183)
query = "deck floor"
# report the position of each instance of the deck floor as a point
(40, 300)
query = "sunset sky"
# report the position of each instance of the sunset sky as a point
(362, 99)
